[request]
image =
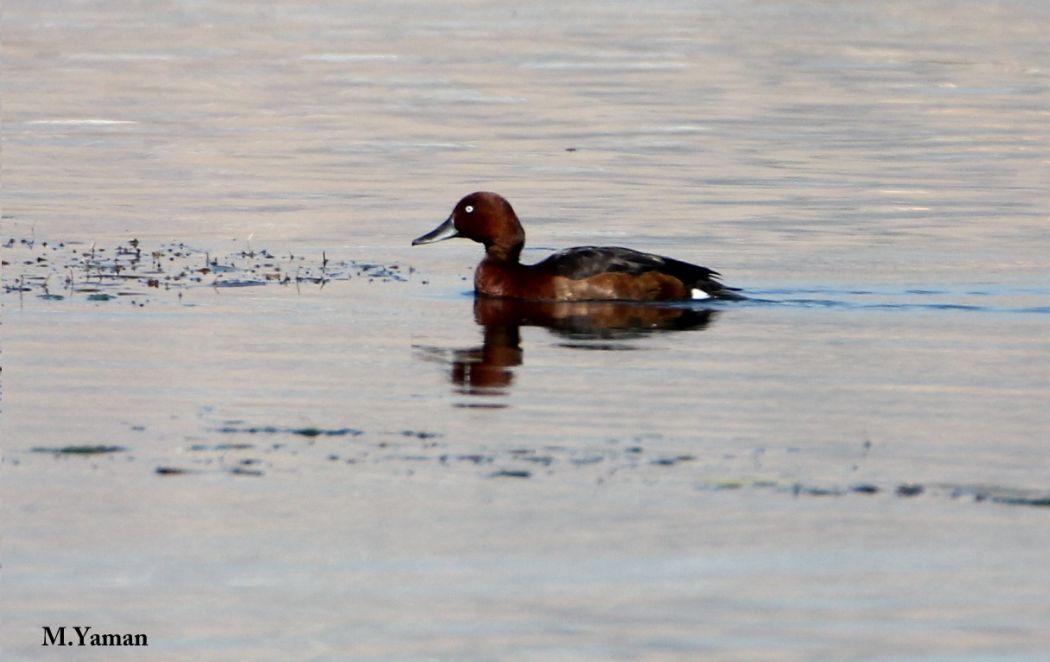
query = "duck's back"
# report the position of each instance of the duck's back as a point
(629, 274)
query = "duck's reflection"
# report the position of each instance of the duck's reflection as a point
(600, 325)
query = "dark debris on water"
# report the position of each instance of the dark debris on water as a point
(511, 473)
(408, 446)
(302, 432)
(991, 494)
(57, 271)
(173, 471)
(80, 450)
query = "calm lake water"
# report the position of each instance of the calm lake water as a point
(269, 429)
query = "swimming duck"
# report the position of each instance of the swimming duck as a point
(584, 273)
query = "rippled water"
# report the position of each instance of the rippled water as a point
(271, 429)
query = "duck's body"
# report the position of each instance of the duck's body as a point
(596, 273)
(586, 273)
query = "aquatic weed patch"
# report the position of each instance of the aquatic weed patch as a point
(302, 432)
(99, 449)
(133, 271)
(1008, 496)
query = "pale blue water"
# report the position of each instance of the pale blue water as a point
(322, 449)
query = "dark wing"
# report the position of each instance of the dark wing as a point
(586, 261)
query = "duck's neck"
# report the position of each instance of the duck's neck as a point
(508, 253)
(504, 244)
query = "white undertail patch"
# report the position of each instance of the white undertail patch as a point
(697, 293)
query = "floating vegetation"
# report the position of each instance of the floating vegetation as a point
(173, 471)
(80, 450)
(510, 473)
(475, 458)
(420, 434)
(245, 471)
(601, 463)
(99, 274)
(221, 447)
(671, 461)
(910, 490)
(864, 488)
(1003, 495)
(237, 282)
(984, 493)
(302, 432)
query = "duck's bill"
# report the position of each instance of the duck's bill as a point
(446, 230)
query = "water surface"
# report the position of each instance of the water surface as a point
(306, 441)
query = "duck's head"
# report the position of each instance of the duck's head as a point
(486, 218)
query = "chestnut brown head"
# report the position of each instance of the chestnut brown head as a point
(486, 218)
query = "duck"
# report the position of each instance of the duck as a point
(583, 273)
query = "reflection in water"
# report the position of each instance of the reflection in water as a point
(488, 369)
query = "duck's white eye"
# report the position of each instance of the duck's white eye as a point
(469, 209)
